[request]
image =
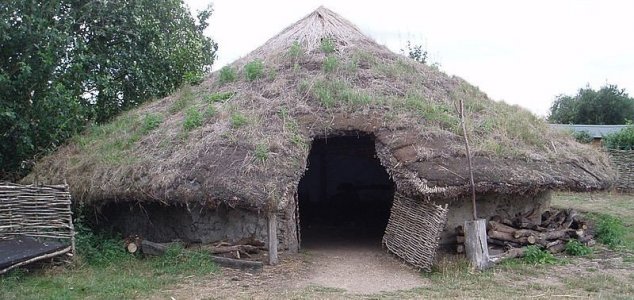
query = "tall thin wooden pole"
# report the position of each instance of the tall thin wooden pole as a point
(466, 143)
(272, 232)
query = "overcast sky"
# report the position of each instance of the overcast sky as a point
(523, 53)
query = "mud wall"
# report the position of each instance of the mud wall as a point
(194, 223)
(489, 205)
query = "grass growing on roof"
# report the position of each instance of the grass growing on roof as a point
(254, 70)
(227, 74)
(193, 119)
(219, 97)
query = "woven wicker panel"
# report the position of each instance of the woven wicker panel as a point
(413, 231)
(36, 211)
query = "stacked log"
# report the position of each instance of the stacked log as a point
(556, 228)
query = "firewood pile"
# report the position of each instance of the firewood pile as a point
(557, 227)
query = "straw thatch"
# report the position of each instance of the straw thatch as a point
(244, 141)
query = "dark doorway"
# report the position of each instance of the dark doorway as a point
(345, 194)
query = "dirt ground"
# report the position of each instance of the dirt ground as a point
(345, 269)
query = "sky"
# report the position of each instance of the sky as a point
(521, 52)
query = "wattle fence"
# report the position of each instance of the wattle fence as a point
(623, 162)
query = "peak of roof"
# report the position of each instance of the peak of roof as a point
(310, 31)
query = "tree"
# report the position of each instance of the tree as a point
(609, 105)
(67, 63)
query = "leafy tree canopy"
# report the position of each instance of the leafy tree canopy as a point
(67, 63)
(607, 106)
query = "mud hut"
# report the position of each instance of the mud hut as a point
(320, 127)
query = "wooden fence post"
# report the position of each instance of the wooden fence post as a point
(476, 247)
(272, 232)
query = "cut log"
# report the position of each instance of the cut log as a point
(132, 248)
(476, 243)
(514, 253)
(557, 247)
(248, 249)
(571, 215)
(505, 244)
(151, 248)
(237, 264)
(505, 236)
(460, 249)
(497, 226)
(460, 239)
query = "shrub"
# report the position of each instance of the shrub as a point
(193, 119)
(227, 74)
(98, 249)
(624, 139)
(327, 45)
(151, 122)
(610, 230)
(238, 120)
(535, 255)
(220, 96)
(193, 77)
(330, 63)
(576, 248)
(254, 70)
(582, 137)
(295, 51)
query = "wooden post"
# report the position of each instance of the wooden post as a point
(272, 228)
(475, 243)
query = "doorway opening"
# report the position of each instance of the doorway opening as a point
(346, 194)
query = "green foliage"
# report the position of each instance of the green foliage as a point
(193, 77)
(193, 119)
(582, 137)
(262, 152)
(66, 64)
(416, 52)
(184, 100)
(254, 70)
(99, 249)
(623, 139)
(330, 63)
(327, 45)
(610, 230)
(576, 248)
(609, 105)
(151, 122)
(220, 97)
(227, 74)
(238, 120)
(534, 255)
(210, 111)
(331, 92)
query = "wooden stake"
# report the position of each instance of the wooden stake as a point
(475, 243)
(466, 143)
(272, 228)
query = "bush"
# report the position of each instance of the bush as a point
(624, 139)
(98, 249)
(576, 248)
(193, 119)
(254, 70)
(610, 230)
(227, 74)
(535, 255)
(582, 137)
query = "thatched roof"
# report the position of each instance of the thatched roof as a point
(242, 136)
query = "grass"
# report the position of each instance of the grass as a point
(261, 152)
(103, 270)
(329, 93)
(331, 63)
(151, 122)
(227, 74)
(238, 120)
(327, 45)
(184, 100)
(599, 205)
(254, 70)
(219, 97)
